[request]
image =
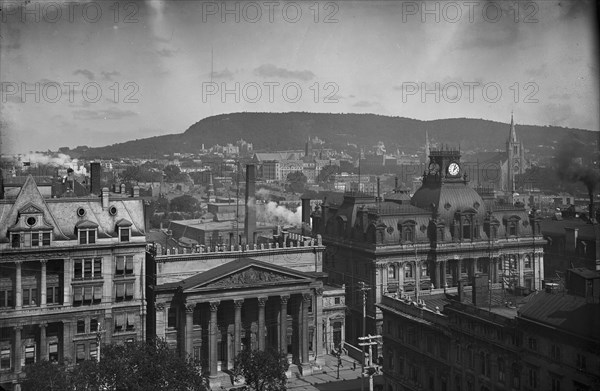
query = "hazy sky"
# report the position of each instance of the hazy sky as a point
(92, 73)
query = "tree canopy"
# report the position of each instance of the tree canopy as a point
(262, 370)
(134, 366)
(296, 181)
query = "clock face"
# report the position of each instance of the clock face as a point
(453, 169)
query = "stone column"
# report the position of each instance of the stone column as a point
(237, 326)
(436, 271)
(318, 313)
(459, 273)
(212, 337)
(189, 328)
(283, 324)
(43, 299)
(67, 267)
(306, 298)
(67, 342)
(443, 283)
(18, 347)
(43, 343)
(19, 286)
(108, 328)
(262, 301)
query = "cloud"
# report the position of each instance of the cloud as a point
(85, 72)
(558, 114)
(166, 52)
(270, 70)
(224, 74)
(109, 75)
(364, 103)
(112, 113)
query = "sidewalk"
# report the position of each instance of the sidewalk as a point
(326, 377)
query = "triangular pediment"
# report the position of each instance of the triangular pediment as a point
(244, 273)
(250, 276)
(30, 209)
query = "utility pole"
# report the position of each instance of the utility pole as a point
(363, 288)
(372, 369)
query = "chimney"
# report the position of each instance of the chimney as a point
(105, 198)
(95, 175)
(395, 183)
(135, 191)
(378, 190)
(122, 188)
(250, 218)
(571, 239)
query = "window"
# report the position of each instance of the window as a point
(5, 357)
(124, 266)
(124, 234)
(533, 377)
(501, 370)
(93, 325)
(87, 295)
(555, 384)
(119, 322)
(87, 268)
(46, 239)
(430, 341)
(516, 376)
(29, 354)
(38, 238)
(87, 236)
(457, 382)
(392, 272)
(555, 352)
(130, 325)
(581, 362)
(532, 343)
(30, 297)
(6, 298)
(527, 262)
(80, 353)
(52, 295)
(80, 326)
(93, 351)
(123, 291)
(15, 240)
(408, 234)
(337, 300)
(35, 239)
(412, 336)
(512, 228)
(53, 351)
(443, 350)
(408, 270)
(172, 318)
(424, 270)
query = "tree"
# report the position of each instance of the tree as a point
(45, 376)
(173, 174)
(296, 181)
(133, 366)
(184, 203)
(262, 370)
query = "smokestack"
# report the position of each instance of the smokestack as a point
(123, 188)
(395, 183)
(378, 190)
(305, 215)
(250, 218)
(95, 174)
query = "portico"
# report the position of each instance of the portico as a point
(244, 303)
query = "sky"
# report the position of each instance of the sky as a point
(99, 72)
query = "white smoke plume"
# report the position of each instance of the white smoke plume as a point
(272, 213)
(60, 160)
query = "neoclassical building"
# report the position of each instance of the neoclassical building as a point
(214, 303)
(445, 234)
(71, 274)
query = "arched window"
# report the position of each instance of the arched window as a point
(408, 234)
(392, 272)
(408, 270)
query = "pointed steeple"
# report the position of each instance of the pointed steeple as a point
(513, 133)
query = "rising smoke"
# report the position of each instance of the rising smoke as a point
(60, 160)
(272, 213)
(573, 167)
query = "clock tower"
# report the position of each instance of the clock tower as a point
(444, 165)
(515, 158)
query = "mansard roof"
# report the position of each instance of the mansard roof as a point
(63, 215)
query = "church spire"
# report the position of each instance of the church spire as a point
(513, 133)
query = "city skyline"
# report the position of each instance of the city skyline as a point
(160, 67)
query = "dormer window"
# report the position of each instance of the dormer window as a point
(512, 225)
(15, 240)
(124, 230)
(407, 231)
(87, 232)
(124, 234)
(87, 236)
